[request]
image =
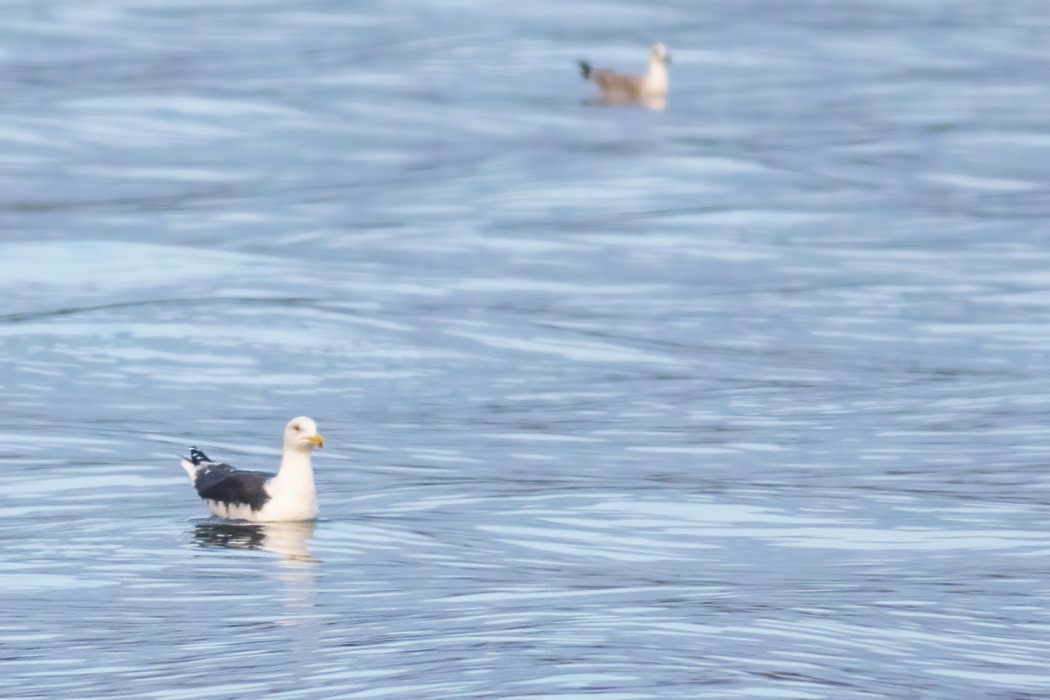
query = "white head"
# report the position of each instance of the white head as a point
(658, 54)
(301, 435)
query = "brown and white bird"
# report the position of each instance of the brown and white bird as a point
(288, 495)
(622, 87)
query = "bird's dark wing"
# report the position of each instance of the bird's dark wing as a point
(221, 482)
(198, 457)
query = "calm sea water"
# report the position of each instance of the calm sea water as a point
(748, 397)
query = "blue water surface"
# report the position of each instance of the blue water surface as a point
(747, 397)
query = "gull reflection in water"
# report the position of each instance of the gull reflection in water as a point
(656, 104)
(290, 540)
(296, 566)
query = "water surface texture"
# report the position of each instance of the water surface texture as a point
(745, 398)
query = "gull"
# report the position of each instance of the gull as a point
(620, 87)
(235, 494)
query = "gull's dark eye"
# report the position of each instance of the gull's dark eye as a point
(297, 428)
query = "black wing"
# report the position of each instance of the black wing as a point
(221, 482)
(196, 456)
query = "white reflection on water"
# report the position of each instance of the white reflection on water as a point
(290, 540)
(656, 104)
(296, 566)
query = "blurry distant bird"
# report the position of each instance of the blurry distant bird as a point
(621, 87)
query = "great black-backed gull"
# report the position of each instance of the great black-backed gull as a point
(622, 87)
(258, 496)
